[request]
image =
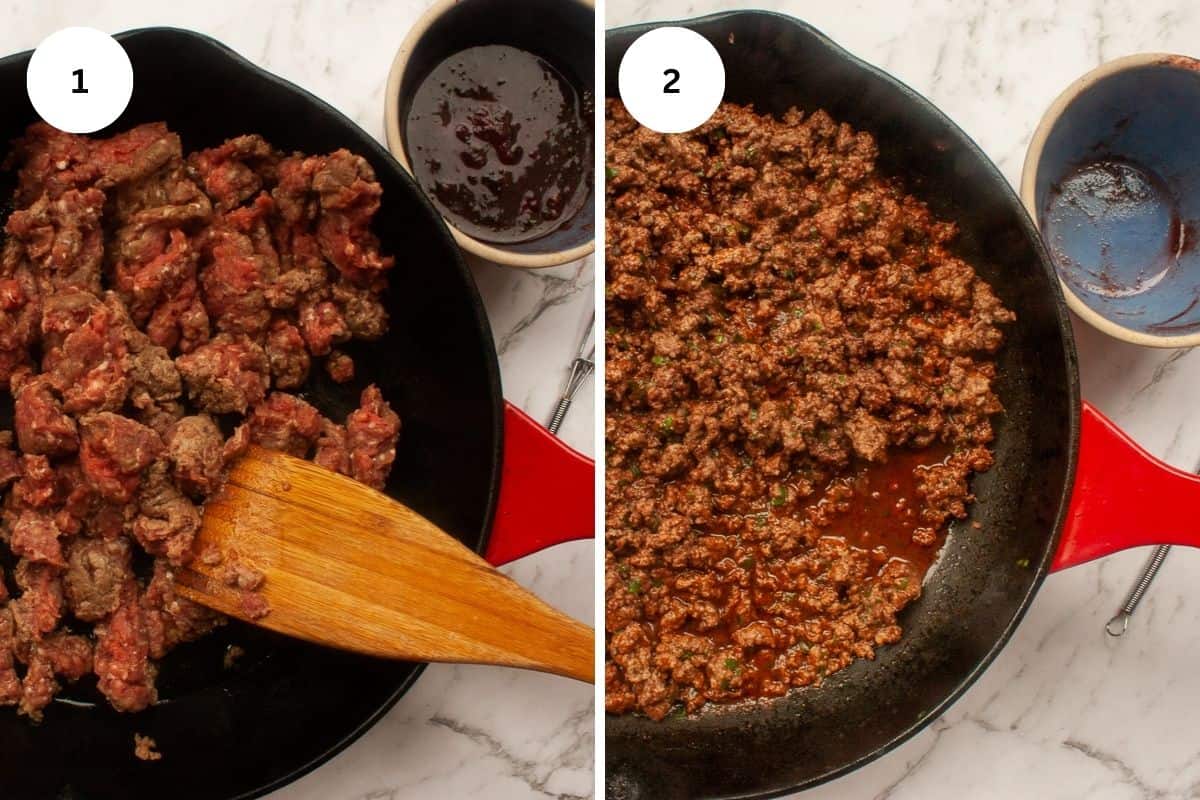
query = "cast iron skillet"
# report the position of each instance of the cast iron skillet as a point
(286, 707)
(1067, 485)
(983, 585)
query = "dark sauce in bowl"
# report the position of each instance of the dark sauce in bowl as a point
(501, 143)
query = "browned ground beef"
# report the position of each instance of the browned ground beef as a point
(798, 388)
(147, 299)
(145, 748)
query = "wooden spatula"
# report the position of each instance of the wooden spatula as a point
(347, 566)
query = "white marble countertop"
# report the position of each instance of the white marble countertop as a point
(461, 731)
(1065, 711)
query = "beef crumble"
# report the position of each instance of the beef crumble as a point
(798, 386)
(148, 299)
(145, 748)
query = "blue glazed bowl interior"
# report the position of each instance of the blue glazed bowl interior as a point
(1118, 197)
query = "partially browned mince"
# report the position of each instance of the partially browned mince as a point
(798, 389)
(158, 312)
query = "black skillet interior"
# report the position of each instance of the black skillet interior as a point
(980, 589)
(285, 707)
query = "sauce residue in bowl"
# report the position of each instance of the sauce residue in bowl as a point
(501, 141)
(1113, 228)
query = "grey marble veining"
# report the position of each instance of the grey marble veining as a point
(1065, 712)
(461, 731)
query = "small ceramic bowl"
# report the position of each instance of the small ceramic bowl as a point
(560, 31)
(1112, 179)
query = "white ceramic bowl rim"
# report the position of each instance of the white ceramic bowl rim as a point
(1029, 178)
(395, 143)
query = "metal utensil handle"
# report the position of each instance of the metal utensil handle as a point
(1120, 623)
(580, 369)
(559, 413)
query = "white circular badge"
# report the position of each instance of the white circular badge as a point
(79, 80)
(671, 79)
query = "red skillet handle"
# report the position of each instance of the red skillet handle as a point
(547, 492)
(1124, 497)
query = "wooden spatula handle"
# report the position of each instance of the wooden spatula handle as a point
(349, 567)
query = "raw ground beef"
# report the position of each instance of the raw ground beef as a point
(798, 388)
(149, 302)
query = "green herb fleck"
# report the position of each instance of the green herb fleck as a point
(720, 338)
(684, 655)
(725, 685)
(668, 424)
(1023, 563)
(902, 583)
(610, 173)
(732, 665)
(678, 712)
(789, 274)
(780, 498)
(660, 360)
(797, 312)
(634, 586)
(747, 563)
(636, 470)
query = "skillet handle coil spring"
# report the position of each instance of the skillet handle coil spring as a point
(1120, 623)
